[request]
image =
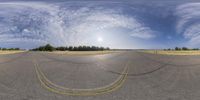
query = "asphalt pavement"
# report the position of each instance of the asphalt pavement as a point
(129, 75)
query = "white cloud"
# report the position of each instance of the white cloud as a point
(85, 22)
(144, 33)
(189, 22)
(65, 24)
(26, 30)
(31, 21)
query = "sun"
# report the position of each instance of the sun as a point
(100, 39)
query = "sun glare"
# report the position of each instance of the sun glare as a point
(100, 39)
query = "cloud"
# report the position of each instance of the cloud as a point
(33, 21)
(189, 22)
(144, 33)
(66, 23)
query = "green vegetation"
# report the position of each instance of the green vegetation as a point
(9, 49)
(181, 49)
(48, 47)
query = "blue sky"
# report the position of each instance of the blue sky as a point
(129, 24)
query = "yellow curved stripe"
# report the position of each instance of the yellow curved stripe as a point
(80, 92)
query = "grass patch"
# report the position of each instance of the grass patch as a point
(4, 52)
(188, 52)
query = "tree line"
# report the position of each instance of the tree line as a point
(49, 47)
(9, 48)
(181, 48)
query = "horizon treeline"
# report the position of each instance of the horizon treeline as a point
(181, 48)
(9, 48)
(49, 47)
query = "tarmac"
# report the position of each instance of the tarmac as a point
(128, 75)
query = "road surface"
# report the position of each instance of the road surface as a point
(128, 75)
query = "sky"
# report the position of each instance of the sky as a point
(128, 24)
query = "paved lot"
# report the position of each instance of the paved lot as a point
(121, 76)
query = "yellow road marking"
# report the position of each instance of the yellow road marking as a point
(80, 92)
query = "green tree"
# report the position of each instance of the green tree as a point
(185, 48)
(60, 48)
(48, 47)
(70, 48)
(4, 49)
(177, 48)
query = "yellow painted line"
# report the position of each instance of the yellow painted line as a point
(80, 92)
(40, 76)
